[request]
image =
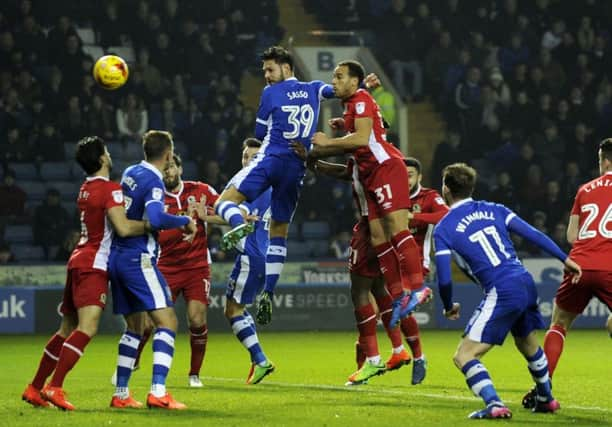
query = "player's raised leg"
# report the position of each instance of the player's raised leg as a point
(399, 355)
(467, 359)
(227, 207)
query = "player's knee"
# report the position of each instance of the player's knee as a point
(278, 229)
(232, 310)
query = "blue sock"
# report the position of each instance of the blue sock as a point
(163, 352)
(478, 380)
(230, 212)
(275, 261)
(246, 334)
(538, 367)
(128, 349)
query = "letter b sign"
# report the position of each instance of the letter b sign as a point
(325, 61)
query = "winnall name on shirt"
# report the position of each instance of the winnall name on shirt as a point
(467, 220)
(598, 183)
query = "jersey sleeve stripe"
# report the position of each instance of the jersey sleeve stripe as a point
(261, 122)
(153, 201)
(443, 252)
(509, 218)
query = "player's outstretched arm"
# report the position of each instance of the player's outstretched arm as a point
(126, 227)
(350, 142)
(333, 170)
(519, 226)
(160, 220)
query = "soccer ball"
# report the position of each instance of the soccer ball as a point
(111, 72)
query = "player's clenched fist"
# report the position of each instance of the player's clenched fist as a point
(320, 139)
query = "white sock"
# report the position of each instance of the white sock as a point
(375, 360)
(158, 390)
(398, 350)
(122, 392)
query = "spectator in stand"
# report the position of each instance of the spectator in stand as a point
(51, 222)
(503, 156)
(27, 88)
(586, 34)
(572, 180)
(554, 36)
(99, 119)
(202, 61)
(468, 101)
(211, 174)
(54, 93)
(58, 36)
(132, 118)
(537, 86)
(72, 125)
(580, 148)
(401, 57)
(448, 151)
(70, 60)
(518, 82)
(151, 75)
(551, 147)
(553, 204)
(502, 92)
(163, 56)
(438, 60)
(531, 187)
(112, 31)
(564, 119)
(47, 146)
(6, 255)
(13, 199)
(513, 54)
(456, 72)
(552, 72)
(503, 192)
(14, 148)
(32, 41)
(559, 236)
(68, 244)
(386, 104)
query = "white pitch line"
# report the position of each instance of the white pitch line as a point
(367, 389)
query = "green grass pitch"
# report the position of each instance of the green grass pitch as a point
(307, 388)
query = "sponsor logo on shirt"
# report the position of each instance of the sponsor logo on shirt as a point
(157, 193)
(360, 107)
(118, 196)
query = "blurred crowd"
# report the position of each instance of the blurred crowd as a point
(525, 89)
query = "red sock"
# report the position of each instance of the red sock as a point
(390, 268)
(71, 352)
(410, 329)
(359, 355)
(409, 260)
(553, 346)
(366, 325)
(146, 334)
(384, 307)
(198, 339)
(48, 361)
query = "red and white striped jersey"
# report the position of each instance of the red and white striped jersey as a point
(96, 196)
(378, 150)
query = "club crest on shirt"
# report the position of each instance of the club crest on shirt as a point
(439, 200)
(117, 196)
(416, 208)
(103, 298)
(360, 107)
(157, 193)
(191, 199)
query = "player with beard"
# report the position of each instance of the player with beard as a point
(102, 214)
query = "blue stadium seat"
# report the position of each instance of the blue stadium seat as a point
(54, 171)
(35, 190)
(190, 171)
(294, 231)
(116, 150)
(24, 171)
(318, 248)
(68, 189)
(133, 152)
(297, 251)
(315, 230)
(69, 148)
(18, 234)
(28, 253)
